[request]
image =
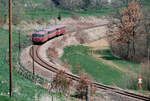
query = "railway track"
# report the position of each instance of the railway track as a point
(34, 53)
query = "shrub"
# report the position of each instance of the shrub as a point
(81, 36)
(2, 21)
(75, 16)
(84, 82)
(131, 80)
(52, 52)
(61, 83)
(16, 20)
(40, 21)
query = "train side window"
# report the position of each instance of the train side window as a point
(49, 32)
(57, 29)
(62, 28)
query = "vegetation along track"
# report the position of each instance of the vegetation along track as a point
(34, 53)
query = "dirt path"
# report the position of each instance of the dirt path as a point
(103, 44)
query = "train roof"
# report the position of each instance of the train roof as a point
(41, 32)
(56, 26)
(52, 28)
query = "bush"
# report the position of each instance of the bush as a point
(2, 21)
(40, 21)
(131, 80)
(61, 83)
(16, 20)
(81, 36)
(75, 16)
(52, 51)
(84, 82)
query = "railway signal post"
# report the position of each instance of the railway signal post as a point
(10, 50)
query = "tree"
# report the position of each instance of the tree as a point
(129, 22)
(84, 81)
(61, 83)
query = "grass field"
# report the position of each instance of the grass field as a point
(99, 71)
(147, 3)
(23, 89)
(49, 14)
(107, 55)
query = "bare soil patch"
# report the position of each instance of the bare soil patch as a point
(98, 44)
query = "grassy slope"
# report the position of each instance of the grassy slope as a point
(147, 3)
(24, 90)
(48, 14)
(101, 72)
(107, 55)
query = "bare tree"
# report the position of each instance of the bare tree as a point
(85, 80)
(129, 21)
(61, 83)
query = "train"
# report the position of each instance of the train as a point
(41, 36)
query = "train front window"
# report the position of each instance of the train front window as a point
(37, 35)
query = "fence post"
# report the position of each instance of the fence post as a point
(88, 93)
(52, 97)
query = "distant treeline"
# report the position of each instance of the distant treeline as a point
(34, 9)
(91, 4)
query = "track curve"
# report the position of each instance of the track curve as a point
(37, 58)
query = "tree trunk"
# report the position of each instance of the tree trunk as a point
(128, 50)
(133, 47)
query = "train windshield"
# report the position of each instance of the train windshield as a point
(37, 35)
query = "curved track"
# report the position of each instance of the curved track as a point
(35, 53)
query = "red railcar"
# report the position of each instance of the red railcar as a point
(41, 36)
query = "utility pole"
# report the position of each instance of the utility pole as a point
(148, 56)
(33, 70)
(10, 49)
(19, 41)
(33, 59)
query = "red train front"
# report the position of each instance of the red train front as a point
(41, 36)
